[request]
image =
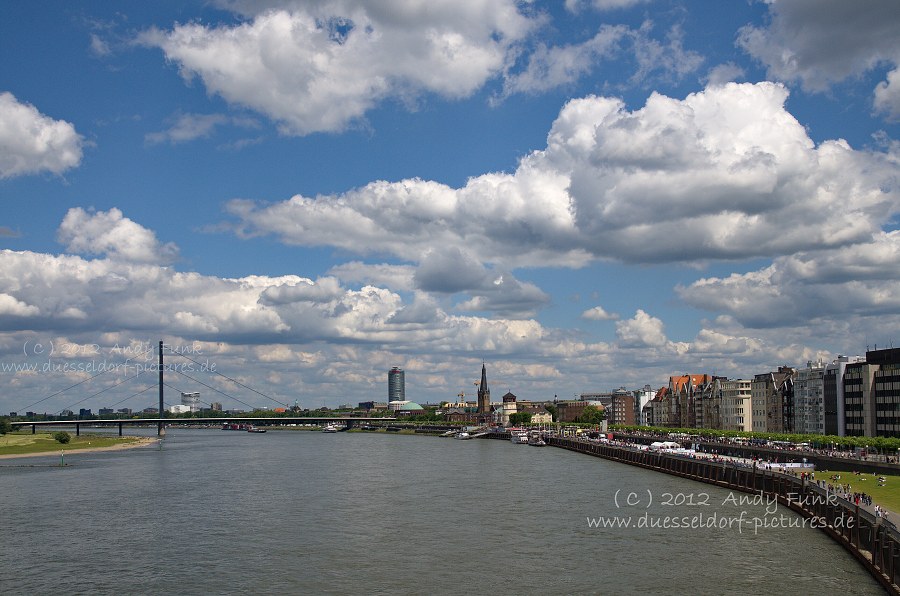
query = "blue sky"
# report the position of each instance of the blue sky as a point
(584, 194)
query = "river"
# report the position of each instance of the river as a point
(291, 512)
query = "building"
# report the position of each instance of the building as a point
(656, 412)
(484, 393)
(684, 391)
(602, 400)
(833, 392)
(191, 400)
(772, 397)
(396, 385)
(508, 408)
(372, 405)
(216, 406)
(737, 405)
(872, 395)
(709, 403)
(537, 410)
(642, 397)
(622, 408)
(467, 415)
(809, 398)
(179, 409)
(571, 410)
(541, 417)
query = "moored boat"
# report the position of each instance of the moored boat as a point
(519, 437)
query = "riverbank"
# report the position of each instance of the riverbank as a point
(15, 446)
(871, 540)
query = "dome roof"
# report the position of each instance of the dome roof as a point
(411, 405)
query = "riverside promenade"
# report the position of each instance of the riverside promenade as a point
(874, 541)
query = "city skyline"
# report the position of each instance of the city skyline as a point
(586, 195)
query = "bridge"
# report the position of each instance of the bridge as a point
(161, 422)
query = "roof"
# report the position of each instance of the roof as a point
(411, 405)
(678, 382)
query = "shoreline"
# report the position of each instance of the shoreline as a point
(140, 442)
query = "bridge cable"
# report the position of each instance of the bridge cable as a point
(148, 388)
(232, 380)
(139, 373)
(214, 389)
(67, 388)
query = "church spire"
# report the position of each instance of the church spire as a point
(484, 394)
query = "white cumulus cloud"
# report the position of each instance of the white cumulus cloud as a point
(320, 66)
(715, 175)
(31, 142)
(112, 234)
(598, 313)
(643, 330)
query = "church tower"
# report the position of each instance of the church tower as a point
(484, 394)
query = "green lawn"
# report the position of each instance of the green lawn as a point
(27, 443)
(888, 496)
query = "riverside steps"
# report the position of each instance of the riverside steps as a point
(874, 541)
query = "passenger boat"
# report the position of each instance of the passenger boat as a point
(330, 428)
(462, 436)
(519, 437)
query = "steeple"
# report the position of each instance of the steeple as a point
(484, 394)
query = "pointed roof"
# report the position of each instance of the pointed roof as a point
(484, 385)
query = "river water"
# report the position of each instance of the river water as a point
(294, 512)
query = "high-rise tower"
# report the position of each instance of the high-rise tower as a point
(396, 385)
(484, 394)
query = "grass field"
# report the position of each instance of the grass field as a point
(27, 443)
(888, 496)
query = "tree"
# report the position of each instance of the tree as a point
(591, 415)
(62, 437)
(520, 418)
(5, 426)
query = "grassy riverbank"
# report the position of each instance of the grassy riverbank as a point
(888, 495)
(23, 444)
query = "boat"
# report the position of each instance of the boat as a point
(519, 437)
(256, 429)
(330, 428)
(462, 435)
(536, 441)
(234, 426)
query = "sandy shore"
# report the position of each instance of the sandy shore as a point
(140, 442)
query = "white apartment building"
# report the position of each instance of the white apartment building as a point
(737, 405)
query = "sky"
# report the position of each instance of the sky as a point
(296, 196)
